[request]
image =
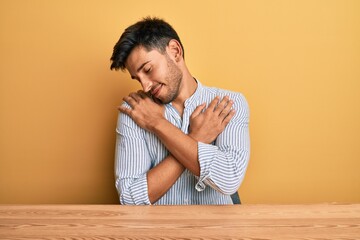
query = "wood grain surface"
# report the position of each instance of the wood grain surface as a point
(322, 221)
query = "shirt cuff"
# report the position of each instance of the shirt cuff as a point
(206, 153)
(138, 192)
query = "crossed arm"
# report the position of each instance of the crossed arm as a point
(205, 126)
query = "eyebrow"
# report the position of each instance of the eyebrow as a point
(142, 65)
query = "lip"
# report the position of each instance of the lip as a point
(156, 90)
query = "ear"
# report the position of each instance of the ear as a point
(174, 50)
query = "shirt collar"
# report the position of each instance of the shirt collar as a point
(192, 99)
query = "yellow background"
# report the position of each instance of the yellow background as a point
(297, 62)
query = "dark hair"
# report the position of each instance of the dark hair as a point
(151, 33)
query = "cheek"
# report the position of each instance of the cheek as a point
(160, 75)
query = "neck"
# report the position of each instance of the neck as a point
(187, 88)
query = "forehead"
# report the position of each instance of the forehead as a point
(139, 55)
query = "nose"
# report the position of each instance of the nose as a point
(146, 85)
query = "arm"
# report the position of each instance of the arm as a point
(143, 185)
(131, 182)
(206, 125)
(184, 148)
(223, 165)
(136, 181)
(162, 177)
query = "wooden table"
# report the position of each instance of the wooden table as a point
(323, 221)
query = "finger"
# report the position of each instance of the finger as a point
(142, 94)
(198, 110)
(228, 118)
(222, 105)
(135, 96)
(155, 100)
(213, 103)
(125, 110)
(226, 109)
(130, 100)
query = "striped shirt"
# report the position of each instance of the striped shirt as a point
(222, 163)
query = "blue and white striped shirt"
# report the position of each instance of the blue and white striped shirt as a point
(222, 163)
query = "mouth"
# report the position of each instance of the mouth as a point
(155, 91)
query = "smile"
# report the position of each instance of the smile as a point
(156, 90)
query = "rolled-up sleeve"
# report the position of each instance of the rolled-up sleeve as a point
(132, 161)
(224, 163)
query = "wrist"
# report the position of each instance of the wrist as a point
(192, 135)
(159, 125)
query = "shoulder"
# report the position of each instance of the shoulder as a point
(238, 98)
(240, 103)
(126, 123)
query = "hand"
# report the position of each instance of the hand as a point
(206, 125)
(144, 111)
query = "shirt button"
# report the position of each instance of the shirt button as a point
(200, 186)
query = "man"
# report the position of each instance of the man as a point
(178, 142)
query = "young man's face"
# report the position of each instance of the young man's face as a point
(158, 73)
